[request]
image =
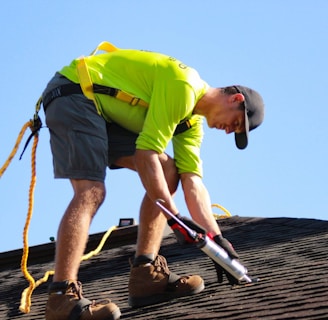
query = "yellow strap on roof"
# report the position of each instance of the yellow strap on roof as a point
(217, 216)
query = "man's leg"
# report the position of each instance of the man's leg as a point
(65, 293)
(151, 221)
(151, 226)
(74, 227)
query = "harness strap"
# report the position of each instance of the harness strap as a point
(86, 82)
(88, 87)
(74, 88)
(61, 91)
(120, 95)
(104, 46)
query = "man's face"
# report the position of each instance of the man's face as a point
(230, 120)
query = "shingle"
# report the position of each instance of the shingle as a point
(289, 255)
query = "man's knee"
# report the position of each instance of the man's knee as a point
(91, 193)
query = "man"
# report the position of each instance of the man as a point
(93, 125)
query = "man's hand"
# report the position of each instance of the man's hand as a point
(182, 235)
(227, 246)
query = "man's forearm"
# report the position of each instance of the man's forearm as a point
(198, 202)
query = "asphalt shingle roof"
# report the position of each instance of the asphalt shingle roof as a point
(288, 255)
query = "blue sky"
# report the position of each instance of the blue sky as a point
(279, 47)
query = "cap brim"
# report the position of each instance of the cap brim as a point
(241, 139)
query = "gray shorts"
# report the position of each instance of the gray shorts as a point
(83, 144)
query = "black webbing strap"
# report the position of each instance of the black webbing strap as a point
(74, 88)
(61, 91)
(97, 88)
(183, 126)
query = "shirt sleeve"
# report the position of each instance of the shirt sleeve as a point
(186, 147)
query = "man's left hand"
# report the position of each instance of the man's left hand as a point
(227, 246)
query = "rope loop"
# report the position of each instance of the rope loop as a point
(221, 216)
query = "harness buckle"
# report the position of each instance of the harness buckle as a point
(134, 101)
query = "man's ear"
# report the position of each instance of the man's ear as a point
(235, 100)
(236, 97)
(239, 97)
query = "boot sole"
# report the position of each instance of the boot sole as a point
(136, 302)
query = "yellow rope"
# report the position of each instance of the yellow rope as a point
(217, 216)
(13, 152)
(26, 307)
(100, 245)
(31, 200)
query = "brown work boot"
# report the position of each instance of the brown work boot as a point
(66, 302)
(153, 283)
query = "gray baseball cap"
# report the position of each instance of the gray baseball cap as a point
(254, 114)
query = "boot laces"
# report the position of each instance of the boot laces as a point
(75, 288)
(161, 264)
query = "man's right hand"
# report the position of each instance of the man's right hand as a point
(182, 235)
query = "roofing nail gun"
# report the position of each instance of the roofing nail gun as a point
(212, 250)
